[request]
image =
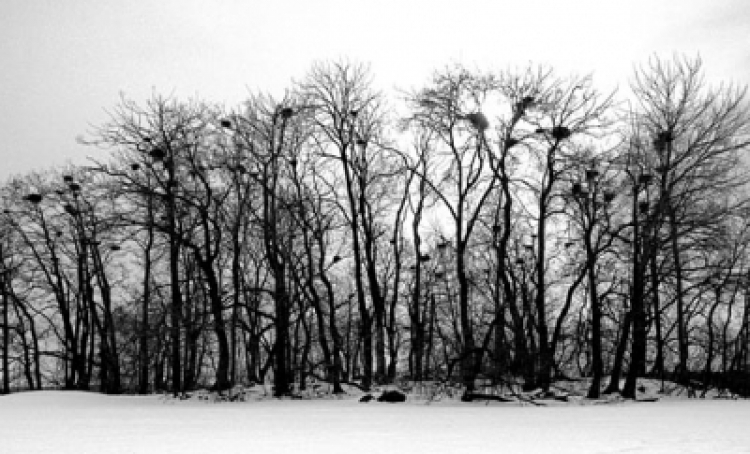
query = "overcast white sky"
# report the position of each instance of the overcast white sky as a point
(63, 62)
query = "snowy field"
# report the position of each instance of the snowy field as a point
(82, 423)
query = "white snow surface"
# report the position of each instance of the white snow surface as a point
(81, 423)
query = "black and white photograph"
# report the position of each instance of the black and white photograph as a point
(374, 227)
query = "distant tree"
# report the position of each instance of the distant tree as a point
(349, 118)
(697, 133)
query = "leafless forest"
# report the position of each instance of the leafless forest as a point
(520, 226)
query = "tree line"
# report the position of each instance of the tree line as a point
(516, 225)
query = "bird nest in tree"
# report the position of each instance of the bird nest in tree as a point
(478, 121)
(592, 174)
(157, 153)
(525, 103)
(286, 112)
(560, 132)
(34, 198)
(645, 179)
(665, 136)
(660, 145)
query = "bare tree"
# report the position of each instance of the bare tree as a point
(348, 113)
(697, 133)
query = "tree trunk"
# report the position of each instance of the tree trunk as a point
(710, 346)
(6, 333)
(143, 338)
(281, 372)
(217, 312)
(659, 361)
(175, 311)
(638, 346)
(682, 338)
(622, 345)
(545, 359)
(467, 332)
(596, 334)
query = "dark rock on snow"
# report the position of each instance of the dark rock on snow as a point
(392, 396)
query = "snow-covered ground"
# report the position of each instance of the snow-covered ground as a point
(82, 423)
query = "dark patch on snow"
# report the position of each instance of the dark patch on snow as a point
(392, 396)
